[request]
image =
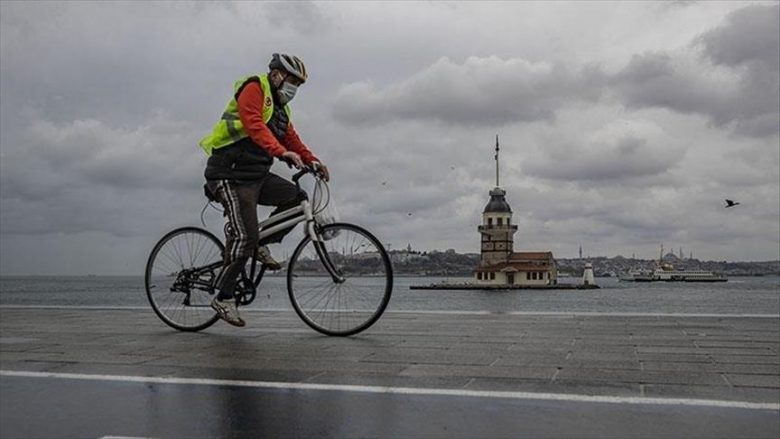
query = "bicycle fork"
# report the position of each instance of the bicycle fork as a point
(322, 252)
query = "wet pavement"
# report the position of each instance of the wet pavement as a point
(121, 372)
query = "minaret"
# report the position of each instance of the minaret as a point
(580, 251)
(497, 229)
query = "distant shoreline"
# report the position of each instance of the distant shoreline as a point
(397, 275)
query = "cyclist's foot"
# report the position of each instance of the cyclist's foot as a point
(263, 255)
(228, 311)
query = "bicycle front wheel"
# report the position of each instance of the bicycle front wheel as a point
(180, 277)
(340, 285)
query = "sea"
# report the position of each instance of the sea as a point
(740, 295)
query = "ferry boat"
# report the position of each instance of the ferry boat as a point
(637, 275)
(666, 273)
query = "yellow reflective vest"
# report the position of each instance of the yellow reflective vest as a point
(229, 128)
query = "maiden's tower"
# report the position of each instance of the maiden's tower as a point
(499, 263)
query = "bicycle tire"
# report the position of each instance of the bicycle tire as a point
(357, 303)
(160, 273)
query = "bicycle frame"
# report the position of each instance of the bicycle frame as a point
(298, 214)
(303, 212)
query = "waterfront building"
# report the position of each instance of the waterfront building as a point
(499, 263)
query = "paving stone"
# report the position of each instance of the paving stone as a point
(430, 358)
(669, 350)
(597, 363)
(542, 373)
(557, 387)
(596, 375)
(628, 350)
(744, 380)
(749, 369)
(675, 358)
(34, 366)
(368, 379)
(746, 359)
(602, 356)
(762, 395)
(736, 351)
(530, 360)
(680, 367)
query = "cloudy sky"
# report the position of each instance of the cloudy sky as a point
(622, 125)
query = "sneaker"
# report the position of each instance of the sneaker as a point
(228, 311)
(263, 254)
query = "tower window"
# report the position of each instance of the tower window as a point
(500, 221)
(490, 221)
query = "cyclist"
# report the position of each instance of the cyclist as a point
(254, 129)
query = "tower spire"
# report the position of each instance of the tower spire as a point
(497, 185)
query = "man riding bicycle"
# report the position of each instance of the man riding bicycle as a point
(255, 127)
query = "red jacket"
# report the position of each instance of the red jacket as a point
(250, 110)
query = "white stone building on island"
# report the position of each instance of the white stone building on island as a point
(499, 263)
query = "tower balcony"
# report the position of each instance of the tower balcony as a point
(497, 228)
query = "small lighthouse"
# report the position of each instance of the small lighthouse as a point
(587, 275)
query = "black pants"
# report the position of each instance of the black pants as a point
(240, 200)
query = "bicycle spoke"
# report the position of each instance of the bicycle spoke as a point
(176, 276)
(355, 302)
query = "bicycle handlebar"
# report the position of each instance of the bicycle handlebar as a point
(312, 169)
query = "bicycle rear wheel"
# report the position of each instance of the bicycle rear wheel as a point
(353, 299)
(180, 277)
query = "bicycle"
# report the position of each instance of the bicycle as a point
(339, 278)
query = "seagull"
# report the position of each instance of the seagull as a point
(730, 203)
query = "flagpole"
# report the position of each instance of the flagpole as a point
(497, 185)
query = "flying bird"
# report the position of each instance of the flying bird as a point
(730, 203)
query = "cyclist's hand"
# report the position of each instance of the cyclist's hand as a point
(322, 171)
(293, 158)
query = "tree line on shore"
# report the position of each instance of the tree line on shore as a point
(451, 263)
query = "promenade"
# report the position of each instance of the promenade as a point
(98, 372)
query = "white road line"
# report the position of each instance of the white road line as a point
(435, 312)
(402, 390)
(640, 314)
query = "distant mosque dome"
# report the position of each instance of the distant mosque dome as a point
(497, 202)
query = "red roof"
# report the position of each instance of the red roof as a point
(531, 256)
(509, 266)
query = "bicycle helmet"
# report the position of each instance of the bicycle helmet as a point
(290, 64)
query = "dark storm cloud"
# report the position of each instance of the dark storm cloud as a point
(741, 86)
(87, 176)
(625, 158)
(487, 91)
(749, 36)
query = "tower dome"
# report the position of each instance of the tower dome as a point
(497, 202)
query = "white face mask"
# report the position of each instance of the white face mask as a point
(287, 92)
